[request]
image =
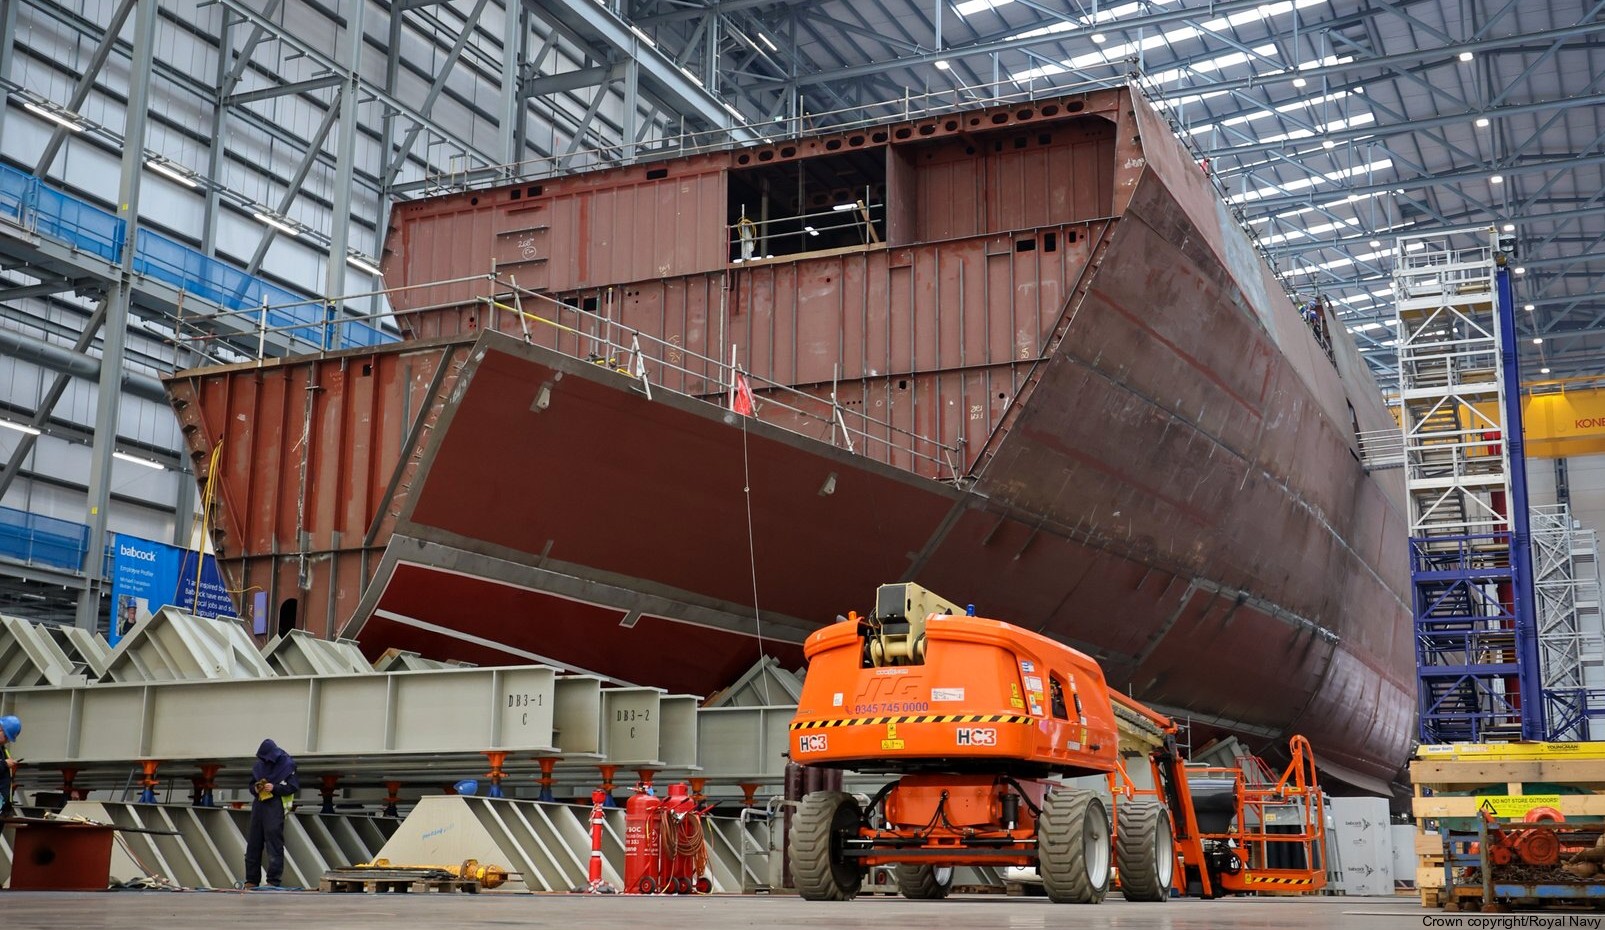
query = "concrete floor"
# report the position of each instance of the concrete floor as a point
(282, 910)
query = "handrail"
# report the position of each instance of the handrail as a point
(508, 297)
(906, 107)
(42, 210)
(725, 375)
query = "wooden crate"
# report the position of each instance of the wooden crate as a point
(1445, 782)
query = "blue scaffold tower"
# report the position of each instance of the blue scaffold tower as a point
(1477, 655)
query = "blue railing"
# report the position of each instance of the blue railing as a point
(40, 540)
(78, 224)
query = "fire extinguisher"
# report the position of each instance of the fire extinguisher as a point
(642, 844)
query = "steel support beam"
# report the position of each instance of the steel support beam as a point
(8, 29)
(281, 90)
(383, 95)
(117, 304)
(86, 83)
(334, 283)
(1436, 180)
(514, 33)
(47, 402)
(314, 146)
(435, 87)
(600, 28)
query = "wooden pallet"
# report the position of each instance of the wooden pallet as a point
(359, 881)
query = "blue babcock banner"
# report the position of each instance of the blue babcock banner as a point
(148, 575)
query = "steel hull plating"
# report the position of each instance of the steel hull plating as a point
(1165, 477)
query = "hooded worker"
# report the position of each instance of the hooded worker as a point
(10, 729)
(273, 789)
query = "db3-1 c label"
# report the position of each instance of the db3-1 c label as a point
(813, 742)
(977, 736)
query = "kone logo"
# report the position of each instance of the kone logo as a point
(144, 555)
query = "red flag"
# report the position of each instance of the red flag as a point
(742, 402)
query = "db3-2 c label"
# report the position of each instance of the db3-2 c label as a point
(812, 742)
(977, 736)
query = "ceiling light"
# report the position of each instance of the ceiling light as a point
(1465, 56)
(943, 66)
(363, 263)
(139, 461)
(1482, 123)
(767, 41)
(1520, 270)
(1538, 340)
(1510, 227)
(1299, 82)
(844, 207)
(976, 6)
(1376, 244)
(64, 118)
(811, 230)
(1329, 144)
(1099, 38)
(1528, 308)
(1497, 179)
(19, 427)
(1543, 371)
(278, 222)
(169, 170)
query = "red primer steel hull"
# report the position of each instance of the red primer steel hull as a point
(1154, 461)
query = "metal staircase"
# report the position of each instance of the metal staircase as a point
(1476, 650)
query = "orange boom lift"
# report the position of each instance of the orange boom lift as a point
(978, 719)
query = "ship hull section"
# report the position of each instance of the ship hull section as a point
(562, 482)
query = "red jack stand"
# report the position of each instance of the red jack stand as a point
(646, 779)
(149, 782)
(205, 783)
(68, 776)
(607, 784)
(697, 784)
(546, 780)
(497, 759)
(331, 784)
(749, 793)
(394, 787)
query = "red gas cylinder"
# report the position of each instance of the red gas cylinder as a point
(642, 845)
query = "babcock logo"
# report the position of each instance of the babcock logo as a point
(143, 555)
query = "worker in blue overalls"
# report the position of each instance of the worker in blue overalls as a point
(10, 729)
(273, 789)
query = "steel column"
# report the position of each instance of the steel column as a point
(334, 284)
(117, 303)
(1530, 681)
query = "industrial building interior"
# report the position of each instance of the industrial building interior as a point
(281, 198)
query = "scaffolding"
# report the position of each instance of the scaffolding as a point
(1566, 592)
(1476, 648)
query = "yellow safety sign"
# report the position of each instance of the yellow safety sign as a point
(1515, 806)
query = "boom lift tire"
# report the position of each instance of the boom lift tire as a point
(924, 882)
(819, 868)
(1073, 847)
(1144, 853)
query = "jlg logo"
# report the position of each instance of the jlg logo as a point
(812, 743)
(978, 736)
